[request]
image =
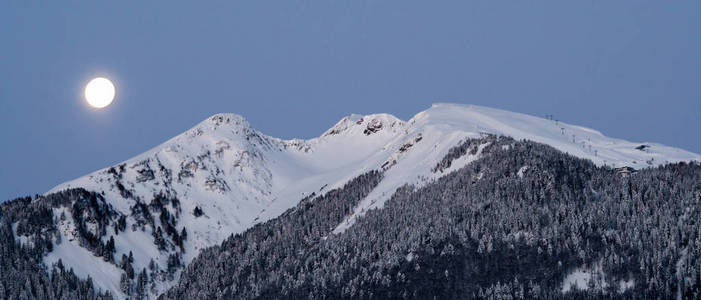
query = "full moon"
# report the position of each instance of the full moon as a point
(99, 92)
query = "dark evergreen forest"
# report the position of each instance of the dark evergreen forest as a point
(23, 274)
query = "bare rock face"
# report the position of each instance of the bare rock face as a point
(373, 126)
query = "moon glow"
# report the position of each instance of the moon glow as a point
(99, 92)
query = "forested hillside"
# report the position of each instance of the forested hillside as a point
(23, 274)
(524, 221)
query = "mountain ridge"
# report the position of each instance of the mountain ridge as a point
(237, 176)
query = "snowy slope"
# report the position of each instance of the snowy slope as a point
(240, 177)
(444, 125)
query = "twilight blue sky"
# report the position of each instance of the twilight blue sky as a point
(629, 69)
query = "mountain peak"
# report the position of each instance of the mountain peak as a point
(224, 119)
(365, 124)
(221, 126)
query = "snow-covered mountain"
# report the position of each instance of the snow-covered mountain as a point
(238, 177)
